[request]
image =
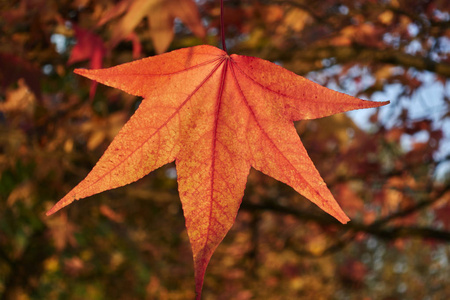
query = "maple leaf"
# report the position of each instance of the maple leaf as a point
(90, 47)
(160, 15)
(216, 115)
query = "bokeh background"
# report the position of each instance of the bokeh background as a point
(387, 167)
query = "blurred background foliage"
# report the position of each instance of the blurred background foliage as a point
(388, 168)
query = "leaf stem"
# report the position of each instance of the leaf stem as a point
(222, 30)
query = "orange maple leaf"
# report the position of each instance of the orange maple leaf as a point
(160, 16)
(216, 115)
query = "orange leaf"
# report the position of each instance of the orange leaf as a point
(160, 14)
(216, 115)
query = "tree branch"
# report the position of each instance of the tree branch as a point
(346, 54)
(377, 228)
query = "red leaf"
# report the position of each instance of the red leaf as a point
(13, 68)
(442, 210)
(216, 115)
(89, 47)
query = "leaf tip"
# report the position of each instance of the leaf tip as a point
(345, 220)
(80, 71)
(341, 217)
(52, 210)
(374, 104)
(199, 278)
(69, 198)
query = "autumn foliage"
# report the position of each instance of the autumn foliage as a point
(217, 115)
